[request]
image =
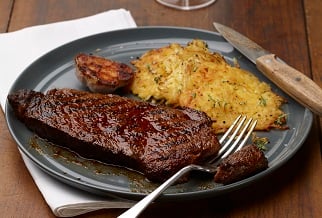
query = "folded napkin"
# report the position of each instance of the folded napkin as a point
(21, 48)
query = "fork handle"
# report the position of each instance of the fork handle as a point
(142, 204)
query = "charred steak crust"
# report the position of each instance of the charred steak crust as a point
(243, 163)
(154, 140)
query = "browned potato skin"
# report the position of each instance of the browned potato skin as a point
(102, 75)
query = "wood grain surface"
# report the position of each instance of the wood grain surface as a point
(292, 29)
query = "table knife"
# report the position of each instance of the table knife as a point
(297, 85)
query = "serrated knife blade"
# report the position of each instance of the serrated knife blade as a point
(294, 83)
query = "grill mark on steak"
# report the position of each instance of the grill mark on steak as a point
(155, 140)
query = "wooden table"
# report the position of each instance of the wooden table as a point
(290, 28)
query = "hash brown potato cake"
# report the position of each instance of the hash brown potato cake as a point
(193, 76)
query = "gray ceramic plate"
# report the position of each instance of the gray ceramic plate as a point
(56, 70)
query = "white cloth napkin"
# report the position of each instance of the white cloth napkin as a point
(20, 48)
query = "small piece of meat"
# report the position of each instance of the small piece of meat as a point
(155, 140)
(102, 75)
(241, 164)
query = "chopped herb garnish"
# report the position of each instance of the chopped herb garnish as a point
(149, 67)
(217, 102)
(281, 119)
(260, 142)
(213, 100)
(157, 79)
(262, 101)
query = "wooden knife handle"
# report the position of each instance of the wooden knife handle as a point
(291, 81)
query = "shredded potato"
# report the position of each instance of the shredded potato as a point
(194, 77)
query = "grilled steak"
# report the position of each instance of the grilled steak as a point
(102, 75)
(155, 140)
(241, 164)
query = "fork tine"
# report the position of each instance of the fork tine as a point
(223, 138)
(251, 129)
(225, 151)
(224, 147)
(240, 136)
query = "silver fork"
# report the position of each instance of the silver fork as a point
(229, 147)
